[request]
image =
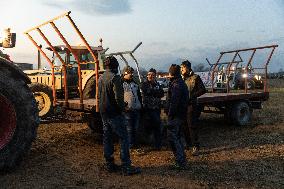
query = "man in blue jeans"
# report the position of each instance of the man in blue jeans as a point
(133, 99)
(111, 105)
(177, 100)
(152, 93)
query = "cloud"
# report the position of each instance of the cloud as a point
(93, 7)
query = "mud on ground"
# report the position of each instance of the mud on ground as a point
(68, 155)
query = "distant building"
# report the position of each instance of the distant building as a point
(24, 66)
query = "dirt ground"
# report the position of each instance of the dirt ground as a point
(69, 155)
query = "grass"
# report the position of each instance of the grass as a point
(273, 110)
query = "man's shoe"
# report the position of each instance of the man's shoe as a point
(112, 167)
(195, 151)
(179, 166)
(130, 170)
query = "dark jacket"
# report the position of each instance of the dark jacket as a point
(195, 86)
(111, 99)
(152, 93)
(177, 99)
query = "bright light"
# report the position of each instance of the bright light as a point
(245, 75)
(257, 77)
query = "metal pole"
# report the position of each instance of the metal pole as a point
(52, 68)
(39, 59)
(94, 57)
(77, 59)
(213, 71)
(137, 67)
(63, 64)
(266, 64)
(229, 69)
(249, 62)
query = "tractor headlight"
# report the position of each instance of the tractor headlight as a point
(257, 77)
(245, 75)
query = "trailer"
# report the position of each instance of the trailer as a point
(237, 104)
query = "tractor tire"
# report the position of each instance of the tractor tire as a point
(44, 99)
(232, 84)
(18, 119)
(241, 113)
(250, 85)
(90, 88)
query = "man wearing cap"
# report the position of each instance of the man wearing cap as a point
(196, 88)
(132, 99)
(177, 100)
(152, 93)
(111, 105)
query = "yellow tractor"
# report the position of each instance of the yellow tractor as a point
(42, 79)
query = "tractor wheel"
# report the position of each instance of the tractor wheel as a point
(241, 113)
(18, 119)
(232, 84)
(95, 123)
(44, 99)
(90, 88)
(250, 84)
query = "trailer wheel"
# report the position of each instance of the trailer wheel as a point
(44, 99)
(241, 113)
(18, 120)
(90, 88)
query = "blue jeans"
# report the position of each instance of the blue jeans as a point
(154, 125)
(115, 125)
(174, 137)
(132, 118)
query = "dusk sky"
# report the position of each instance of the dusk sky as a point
(170, 30)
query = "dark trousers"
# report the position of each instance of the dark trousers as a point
(117, 125)
(153, 125)
(132, 119)
(190, 127)
(174, 137)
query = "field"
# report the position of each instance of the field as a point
(68, 155)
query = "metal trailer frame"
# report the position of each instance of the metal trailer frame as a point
(89, 104)
(75, 104)
(224, 102)
(130, 53)
(216, 66)
(51, 22)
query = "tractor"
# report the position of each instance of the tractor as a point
(18, 110)
(42, 78)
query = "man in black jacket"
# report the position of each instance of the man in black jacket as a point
(196, 88)
(111, 105)
(177, 100)
(152, 93)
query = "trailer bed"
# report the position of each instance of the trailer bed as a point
(223, 97)
(89, 104)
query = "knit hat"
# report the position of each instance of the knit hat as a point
(111, 62)
(152, 70)
(186, 63)
(174, 70)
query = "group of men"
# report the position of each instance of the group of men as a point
(120, 102)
